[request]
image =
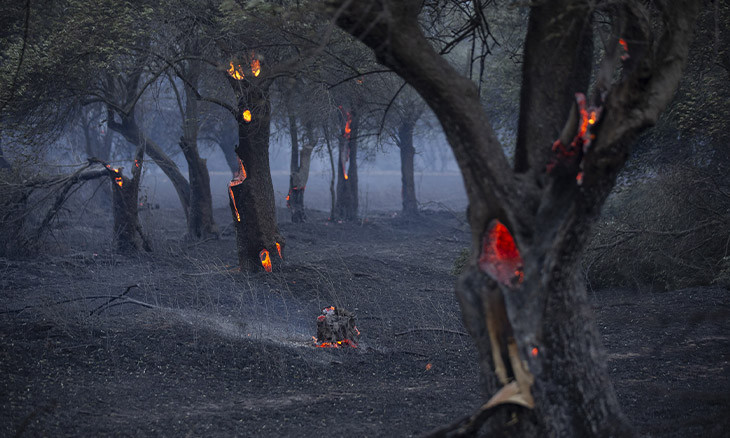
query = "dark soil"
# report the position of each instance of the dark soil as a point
(221, 353)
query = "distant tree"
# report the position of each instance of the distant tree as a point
(522, 294)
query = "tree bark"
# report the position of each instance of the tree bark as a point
(347, 197)
(200, 218)
(522, 297)
(407, 153)
(299, 170)
(252, 204)
(128, 236)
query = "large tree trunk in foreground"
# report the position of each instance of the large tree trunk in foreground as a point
(407, 153)
(522, 297)
(347, 197)
(252, 201)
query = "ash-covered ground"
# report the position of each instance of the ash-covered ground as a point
(197, 349)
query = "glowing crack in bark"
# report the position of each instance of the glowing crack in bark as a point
(500, 258)
(238, 179)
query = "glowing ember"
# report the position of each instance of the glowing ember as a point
(625, 46)
(265, 260)
(119, 181)
(247, 116)
(500, 257)
(534, 352)
(255, 66)
(348, 128)
(428, 367)
(336, 328)
(236, 72)
(136, 163)
(278, 249)
(238, 179)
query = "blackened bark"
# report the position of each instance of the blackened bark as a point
(346, 204)
(537, 330)
(407, 153)
(253, 198)
(561, 54)
(200, 217)
(333, 194)
(229, 152)
(4, 164)
(299, 170)
(128, 236)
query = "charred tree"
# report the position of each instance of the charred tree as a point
(299, 169)
(346, 204)
(258, 241)
(333, 169)
(200, 217)
(407, 154)
(522, 296)
(128, 235)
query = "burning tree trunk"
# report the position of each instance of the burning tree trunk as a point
(258, 241)
(522, 296)
(128, 236)
(299, 170)
(407, 153)
(347, 201)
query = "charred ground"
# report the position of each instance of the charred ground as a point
(222, 353)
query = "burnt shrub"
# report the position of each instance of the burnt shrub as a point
(668, 229)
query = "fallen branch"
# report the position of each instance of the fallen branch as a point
(111, 300)
(432, 329)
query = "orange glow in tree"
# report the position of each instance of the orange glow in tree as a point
(238, 179)
(247, 116)
(265, 260)
(236, 72)
(500, 257)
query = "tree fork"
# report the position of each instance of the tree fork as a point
(549, 332)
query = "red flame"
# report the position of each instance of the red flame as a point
(278, 249)
(237, 179)
(119, 181)
(265, 260)
(500, 257)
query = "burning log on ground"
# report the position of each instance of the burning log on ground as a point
(335, 328)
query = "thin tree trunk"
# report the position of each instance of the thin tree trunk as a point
(407, 153)
(347, 197)
(333, 194)
(299, 170)
(200, 219)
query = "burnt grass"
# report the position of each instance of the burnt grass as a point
(207, 351)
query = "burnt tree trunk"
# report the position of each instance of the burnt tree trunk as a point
(200, 218)
(346, 204)
(407, 153)
(299, 170)
(252, 201)
(522, 295)
(333, 194)
(128, 236)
